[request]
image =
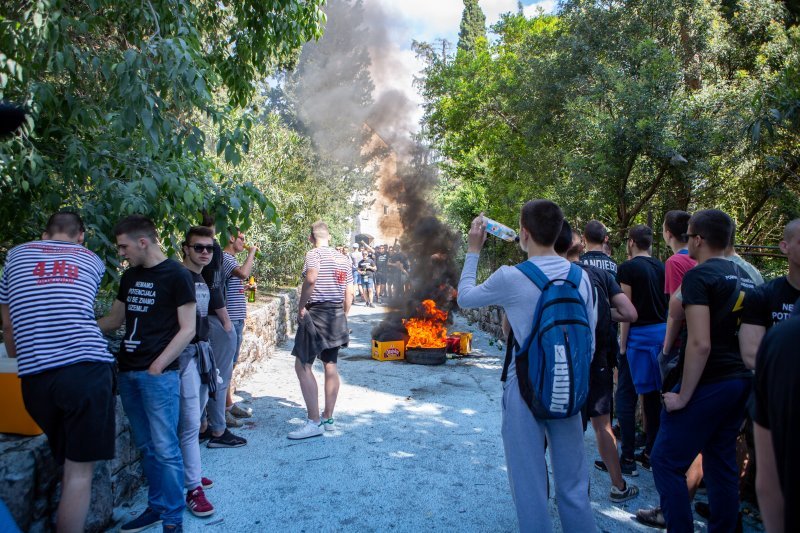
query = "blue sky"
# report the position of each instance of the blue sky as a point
(427, 20)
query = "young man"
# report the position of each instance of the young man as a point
(773, 302)
(731, 255)
(156, 302)
(47, 294)
(676, 224)
(705, 411)
(642, 281)
(355, 257)
(325, 300)
(595, 235)
(776, 417)
(398, 271)
(523, 434)
(234, 276)
(366, 271)
(612, 306)
(381, 262)
(196, 368)
(223, 339)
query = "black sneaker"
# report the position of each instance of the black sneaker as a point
(643, 460)
(226, 440)
(651, 517)
(628, 467)
(145, 520)
(601, 466)
(641, 440)
(205, 435)
(618, 496)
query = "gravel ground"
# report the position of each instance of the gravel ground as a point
(416, 448)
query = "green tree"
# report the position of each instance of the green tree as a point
(125, 100)
(472, 28)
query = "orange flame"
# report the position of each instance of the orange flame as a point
(427, 331)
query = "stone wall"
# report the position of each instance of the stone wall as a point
(30, 479)
(489, 319)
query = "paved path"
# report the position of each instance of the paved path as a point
(417, 449)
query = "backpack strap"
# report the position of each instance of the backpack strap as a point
(575, 275)
(534, 273)
(510, 343)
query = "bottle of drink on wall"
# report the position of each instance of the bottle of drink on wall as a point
(251, 290)
(499, 230)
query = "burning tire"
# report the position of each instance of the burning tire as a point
(426, 356)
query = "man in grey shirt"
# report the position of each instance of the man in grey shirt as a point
(523, 434)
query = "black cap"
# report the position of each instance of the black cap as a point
(11, 118)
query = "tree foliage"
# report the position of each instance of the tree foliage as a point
(620, 110)
(130, 100)
(472, 28)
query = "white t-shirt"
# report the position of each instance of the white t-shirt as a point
(516, 294)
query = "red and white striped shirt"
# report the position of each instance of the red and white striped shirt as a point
(334, 274)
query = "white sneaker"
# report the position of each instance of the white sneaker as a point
(327, 423)
(310, 429)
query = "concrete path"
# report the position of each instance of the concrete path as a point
(417, 449)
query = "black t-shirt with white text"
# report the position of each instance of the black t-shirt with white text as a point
(777, 407)
(381, 259)
(152, 297)
(645, 276)
(365, 267)
(599, 260)
(770, 303)
(605, 287)
(712, 284)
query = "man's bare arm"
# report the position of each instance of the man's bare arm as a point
(698, 347)
(114, 319)
(244, 271)
(768, 488)
(625, 327)
(187, 320)
(750, 336)
(622, 309)
(306, 291)
(8, 331)
(674, 321)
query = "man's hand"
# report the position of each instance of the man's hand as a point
(476, 235)
(227, 326)
(673, 402)
(300, 314)
(156, 369)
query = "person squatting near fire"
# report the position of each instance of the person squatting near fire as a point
(524, 434)
(47, 294)
(704, 412)
(612, 306)
(325, 300)
(156, 301)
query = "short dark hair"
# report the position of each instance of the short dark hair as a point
(207, 219)
(65, 222)
(136, 226)
(543, 220)
(595, 232)
(564, 241)
(714, 226)
(677, 223)
(642, 236)
(198, 231)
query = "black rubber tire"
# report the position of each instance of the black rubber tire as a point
(417, 357)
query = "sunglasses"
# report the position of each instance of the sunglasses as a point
(200, 248)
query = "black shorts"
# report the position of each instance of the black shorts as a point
(380, 278)
(601, 391)
(331, 355)
(74, 405)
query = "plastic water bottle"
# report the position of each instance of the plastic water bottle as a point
(499, 230)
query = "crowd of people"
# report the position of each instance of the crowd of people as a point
(684, 336)
(701, 341)
(183, 332)
(380, 273)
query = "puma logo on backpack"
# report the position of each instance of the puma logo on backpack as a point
(553, 362)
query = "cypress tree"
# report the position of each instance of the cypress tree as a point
(473, 26)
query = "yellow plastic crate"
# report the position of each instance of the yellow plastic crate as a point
(15, 418)
(389, 350)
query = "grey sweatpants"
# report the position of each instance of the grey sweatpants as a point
(223, 348)
(524, 441)
(194, 396)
